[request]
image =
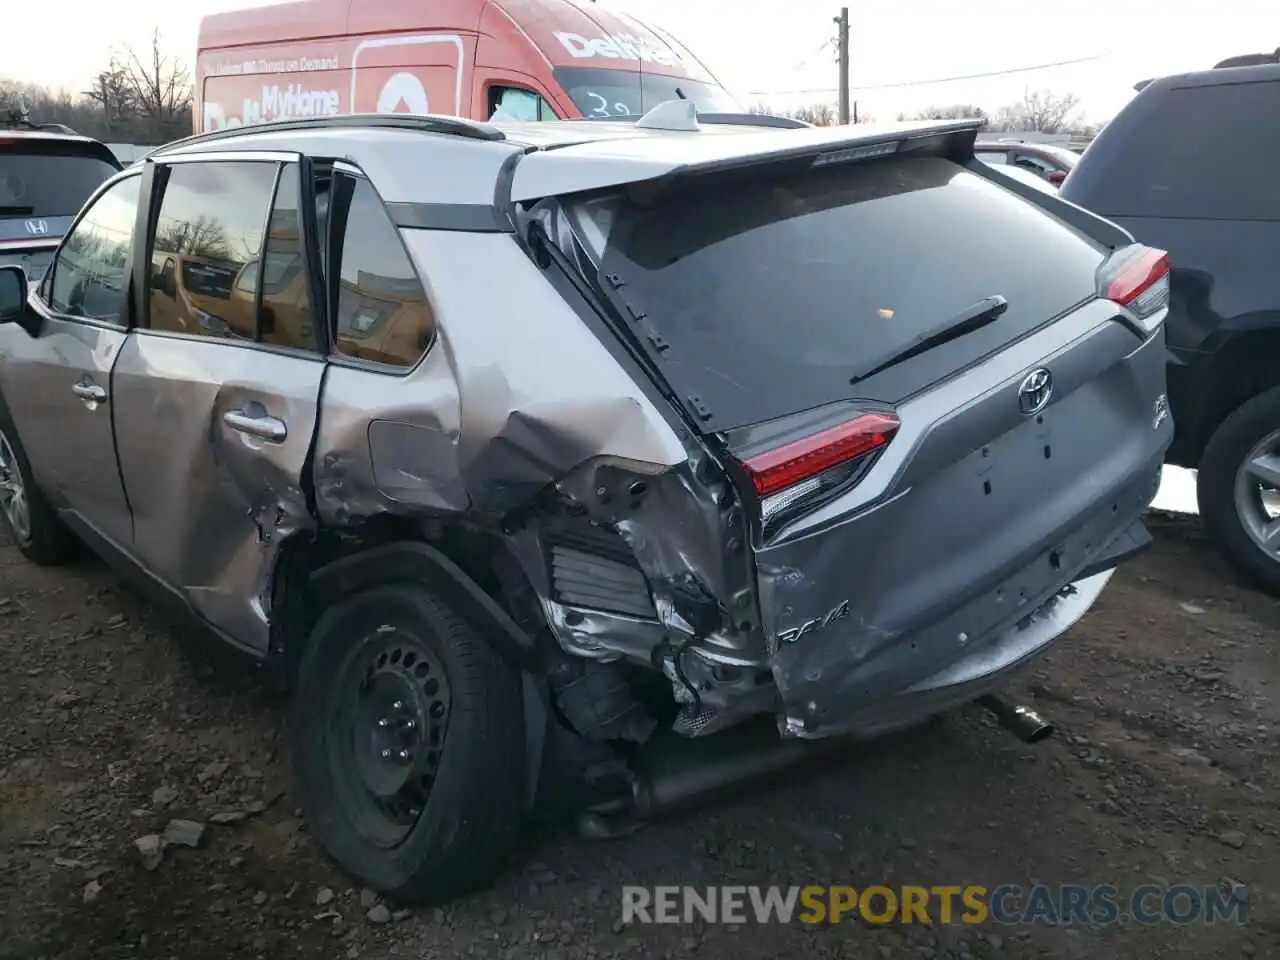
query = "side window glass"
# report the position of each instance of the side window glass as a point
(286, 319)
(513, 103)
(1033, 163)
(208, 248)
(1000, 158)
(383, 314)
(91, 273)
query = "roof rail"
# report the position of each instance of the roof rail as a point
(421, 123)
(754, 120)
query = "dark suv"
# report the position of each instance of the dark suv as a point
(1189, 166)
(46, 175)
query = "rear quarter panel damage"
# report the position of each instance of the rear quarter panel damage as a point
(517, 401)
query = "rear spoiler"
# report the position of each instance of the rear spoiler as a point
(658, 161)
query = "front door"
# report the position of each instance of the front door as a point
(217, 392)
(58, 385)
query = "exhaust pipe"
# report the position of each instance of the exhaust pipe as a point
(1023, 722)
(671, 772)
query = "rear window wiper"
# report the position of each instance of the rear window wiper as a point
(16, 211)
(975, 317)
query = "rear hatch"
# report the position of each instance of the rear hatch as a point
(925, 400)
(44, 181)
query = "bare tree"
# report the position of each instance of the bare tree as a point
(161, 89)
(1042, 111)
(113, 92)
(819, 114)
(954, 111)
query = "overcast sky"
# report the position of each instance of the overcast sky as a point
(764, 49)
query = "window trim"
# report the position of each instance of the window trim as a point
(353, 175)
(44, 292)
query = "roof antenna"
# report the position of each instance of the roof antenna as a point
(680, 94)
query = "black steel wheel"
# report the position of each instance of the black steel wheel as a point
(409, 744)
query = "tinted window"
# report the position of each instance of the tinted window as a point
(772, 294)
(48, 185)
(208, 246)
(627, 93)
(286, 319)
(514, 103)
(91, 272)
(383, 314)
(994, 156)
(1034, 163)
(1195, 152)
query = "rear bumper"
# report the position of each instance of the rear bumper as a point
(832, 689)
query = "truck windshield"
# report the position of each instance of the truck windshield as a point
(629, 93)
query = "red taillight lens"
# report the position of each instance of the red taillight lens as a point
(778, 469)
(1137, 277)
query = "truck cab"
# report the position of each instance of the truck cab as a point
(518, 59)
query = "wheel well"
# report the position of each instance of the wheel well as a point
(1249, 364)
(392, 547)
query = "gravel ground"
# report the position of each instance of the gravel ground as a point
(114, 723)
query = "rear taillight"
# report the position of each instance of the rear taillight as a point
(1137, 278)
(807, 459)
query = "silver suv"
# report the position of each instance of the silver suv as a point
(593, 463)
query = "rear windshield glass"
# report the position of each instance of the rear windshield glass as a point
(773, 294)
(48, 185)
(628, 93)
(1194, 152)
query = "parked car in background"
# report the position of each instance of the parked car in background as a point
(1031, 179)
(1190, 166)
(1045, 160)
(46, 175)
(530, 453)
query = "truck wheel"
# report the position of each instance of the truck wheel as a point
(39, 533)
(1238, 489)
(409, 747)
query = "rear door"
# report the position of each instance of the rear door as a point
(216, 394)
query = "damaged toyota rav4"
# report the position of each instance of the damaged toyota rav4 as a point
(583, 467)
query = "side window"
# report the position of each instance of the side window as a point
(208, 248)
(998, 157)
(383, 314)
(90, 276)
(514, 103)
(286, 319)
(1034, 164)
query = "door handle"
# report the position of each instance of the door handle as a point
(90, 392)
(262, 427)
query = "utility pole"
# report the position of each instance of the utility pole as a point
(842, 45)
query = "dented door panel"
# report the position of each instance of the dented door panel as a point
(213, 439)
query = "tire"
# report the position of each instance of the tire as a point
(35, 526)
(1229, 501)
(451, 829)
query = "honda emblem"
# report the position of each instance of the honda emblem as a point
(37, 228)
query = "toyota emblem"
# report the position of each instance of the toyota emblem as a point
(37, 228)
(1034, 392)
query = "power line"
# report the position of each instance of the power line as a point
(801, 64)
(925, 83)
